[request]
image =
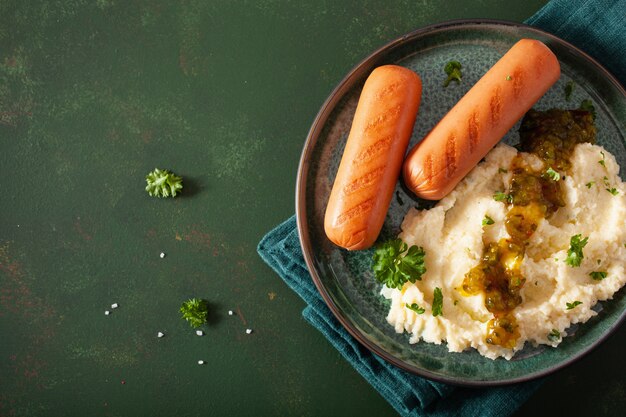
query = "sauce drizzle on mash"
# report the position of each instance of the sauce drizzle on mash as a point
(534, 195)
(505, 281)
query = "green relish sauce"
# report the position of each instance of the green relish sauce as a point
(533, 196)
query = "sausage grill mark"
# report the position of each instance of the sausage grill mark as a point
(364, 181)
(389, 90)
(356, 211)
(472, 130)
(518, 82)
(495, 106)
(428, 168)
(382, 119)
(451, 155)
(379, 147)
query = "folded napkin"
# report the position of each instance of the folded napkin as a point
(596, 26)
(408, 394)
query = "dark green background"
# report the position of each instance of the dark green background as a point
(96, 93)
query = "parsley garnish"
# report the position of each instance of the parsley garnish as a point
(554, 335)
(502, 170)
(590, 184)
(394, 264)
(598, 275)
(588, 106)
(487, 221)
(509, 78)
(569, 88)
(500, 196)
(601, 162)
(552, 174)
(163, 183)
(453, 70)
(612, 190)
(416, 308)
(575, 252)
(573, 304)
(437, 302)
(195, 311)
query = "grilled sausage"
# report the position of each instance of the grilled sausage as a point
(372, 159)
(480, 119)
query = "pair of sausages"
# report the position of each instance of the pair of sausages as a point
(383, 124)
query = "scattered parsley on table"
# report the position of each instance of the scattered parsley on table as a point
(163, 183)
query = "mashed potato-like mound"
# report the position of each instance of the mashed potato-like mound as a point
(453, 236)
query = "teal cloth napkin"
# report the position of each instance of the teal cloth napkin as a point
(596, 26)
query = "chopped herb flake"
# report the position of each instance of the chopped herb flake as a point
(437, 302)
(552, 174)
(612, 190)
(500, 196)
(416, 308)
(487, 221)
(569, 88)
(573, 304)
(502, 170)
(601, 162)
(588, 106)
(598, 275)
(575, 252)
(554, 335)
(590, 184)
(509, 78)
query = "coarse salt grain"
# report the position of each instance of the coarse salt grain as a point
(114, 305)
(107, 312)
(160, 334)
(230, 312)
(248, 331)
(162, 255)
(199, 332)
(200, 362)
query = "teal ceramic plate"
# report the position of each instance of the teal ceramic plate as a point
(344, 278)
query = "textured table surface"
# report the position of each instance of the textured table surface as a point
(96, 93)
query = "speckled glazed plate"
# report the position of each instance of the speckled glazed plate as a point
(345, 279)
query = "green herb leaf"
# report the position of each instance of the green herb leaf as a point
(612, 190)
(437, 302)
(416, 308)
(487, 221)
(601, 162)
(502, 170)
(572, 305)
(554, 335)
(569, 89)
(163, 183)
(394, 264)
(587, 105)
(509, 78)
(453, 70)
(552, 174)
(195, 311)
(598, 275)
(590, 184)
(575, 252)
(500, 196)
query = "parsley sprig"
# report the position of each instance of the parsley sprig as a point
(395, 263)
(195, 311)
(163, 183)
(573, 304)
(453, 71)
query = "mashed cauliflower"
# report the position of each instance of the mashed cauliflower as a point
(453, 236)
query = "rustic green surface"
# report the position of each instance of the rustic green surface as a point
(94, 94)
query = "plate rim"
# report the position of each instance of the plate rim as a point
(300, 204)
